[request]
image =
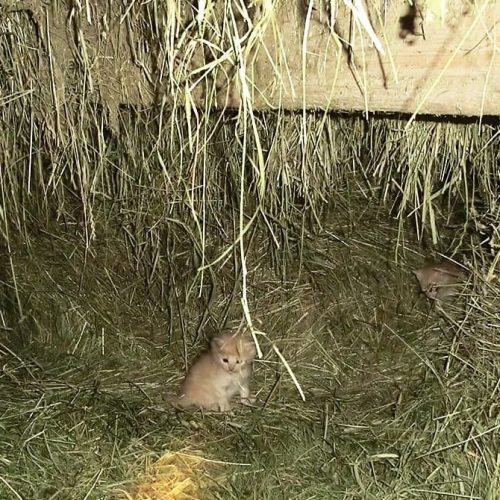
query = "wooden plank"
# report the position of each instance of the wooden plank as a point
(453, 70)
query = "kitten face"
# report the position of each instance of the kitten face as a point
(230, 362)
(232, 352)
(438, 281)
(427, 281)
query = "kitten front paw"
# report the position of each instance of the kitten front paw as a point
(249, 401)
(224, 407)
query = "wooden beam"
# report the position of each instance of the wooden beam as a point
(436, 68)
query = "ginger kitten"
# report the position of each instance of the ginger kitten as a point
(438, 281)
(219, 374)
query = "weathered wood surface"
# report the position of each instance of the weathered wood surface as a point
(454, 69)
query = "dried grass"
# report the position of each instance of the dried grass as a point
(129, 235)
(176, 476)
(400, 397)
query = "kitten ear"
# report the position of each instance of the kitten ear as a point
(217, 343)
(252, 351)
(419, 273)
(249, 349)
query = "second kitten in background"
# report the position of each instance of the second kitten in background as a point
(439, 281)
(219, 374)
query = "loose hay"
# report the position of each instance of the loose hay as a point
(128, 236)
(175, 476)
(401, 398)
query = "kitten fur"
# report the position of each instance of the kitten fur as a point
(438, 281)
(219, 374)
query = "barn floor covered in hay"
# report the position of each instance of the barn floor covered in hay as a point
(132, 234)
(400, 397)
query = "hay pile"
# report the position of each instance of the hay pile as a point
(129, 237)
(401, 398)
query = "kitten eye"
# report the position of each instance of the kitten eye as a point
(225, 360)
(237, 361)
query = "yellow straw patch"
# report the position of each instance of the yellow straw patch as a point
(174, 476)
